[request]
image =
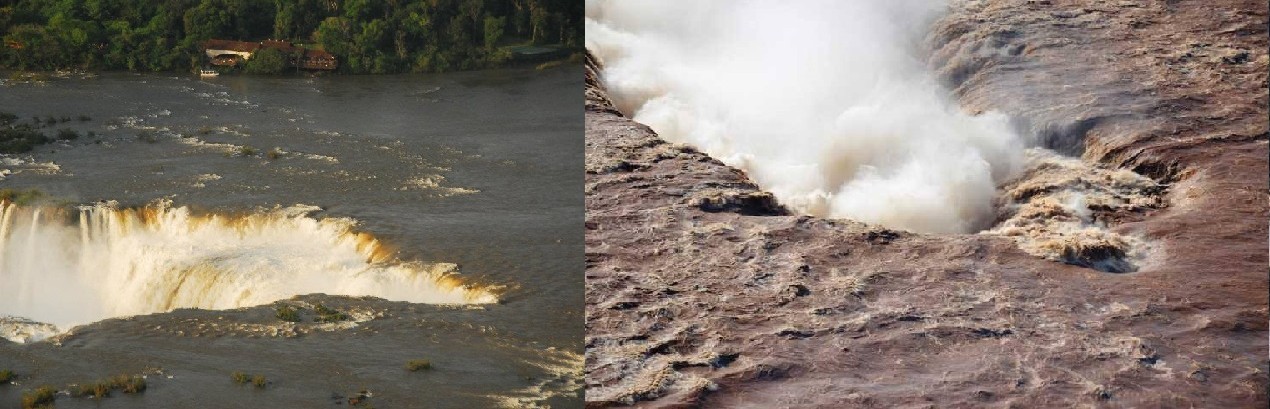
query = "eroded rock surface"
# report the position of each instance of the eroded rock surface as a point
(743, 304)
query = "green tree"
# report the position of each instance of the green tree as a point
(208, 20)
(250, 19)
(32, 47)
(538, 23)
(360, 9)
(333, 35)
(266, 61)
(297, 19)
(494, 31)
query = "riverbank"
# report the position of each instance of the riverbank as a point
(536, 57)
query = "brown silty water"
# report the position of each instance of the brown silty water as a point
(706, 290)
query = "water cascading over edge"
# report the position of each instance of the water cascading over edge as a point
(69, 266)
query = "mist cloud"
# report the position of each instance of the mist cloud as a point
(827, 104)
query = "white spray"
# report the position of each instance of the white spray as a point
(66, 269)
(825, 103)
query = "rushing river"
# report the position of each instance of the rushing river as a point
(458, 193)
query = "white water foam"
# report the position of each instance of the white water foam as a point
(69, 267)
(827, 104)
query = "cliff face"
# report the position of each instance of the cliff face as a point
(701, 289)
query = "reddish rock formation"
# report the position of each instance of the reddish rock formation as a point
(702, 290)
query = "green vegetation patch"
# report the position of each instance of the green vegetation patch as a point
(67, 134)
(21, 138)
(7, 376)
(416, 365)
(286, 313)
(326, 314)
(128, 383)
(323, 314)
(93, 389)
(41, 397)
(266, 61)
(125, 383)
(243, 378)
(21, 197)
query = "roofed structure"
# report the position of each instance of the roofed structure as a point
(230, 53)
(318, 60)
(230, 46)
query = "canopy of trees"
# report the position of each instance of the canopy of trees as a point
(267, 61)
(368, 36)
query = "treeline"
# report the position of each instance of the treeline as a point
(368, 36)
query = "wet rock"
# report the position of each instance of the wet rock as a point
(744, 202)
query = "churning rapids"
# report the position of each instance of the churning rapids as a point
(102, 261)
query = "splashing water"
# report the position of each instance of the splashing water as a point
(827, 104)
(69, 267)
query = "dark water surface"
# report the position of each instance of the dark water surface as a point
(479, 169)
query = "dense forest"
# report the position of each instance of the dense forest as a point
(368, 36)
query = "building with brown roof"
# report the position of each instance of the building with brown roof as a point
(231, 53)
